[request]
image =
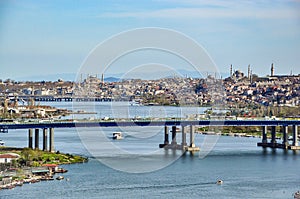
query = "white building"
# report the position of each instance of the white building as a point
(8, 157)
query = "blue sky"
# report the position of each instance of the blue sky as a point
(52, 37)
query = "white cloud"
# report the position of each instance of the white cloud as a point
(213, 9)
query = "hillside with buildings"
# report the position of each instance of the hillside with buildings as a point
(248, 95)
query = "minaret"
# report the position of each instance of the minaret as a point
(231, 70)
(249, 71)
(102, 78)
(16, 102)
(272, 69)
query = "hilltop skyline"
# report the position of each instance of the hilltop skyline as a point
(54, 37)
(148, 75)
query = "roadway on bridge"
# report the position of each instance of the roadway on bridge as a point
(82, 123)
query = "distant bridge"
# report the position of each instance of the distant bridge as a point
(4, 127)
(53, 98)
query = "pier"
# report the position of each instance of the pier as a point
(187, 127)
(183, 146)
(285, 139)
(45, 139)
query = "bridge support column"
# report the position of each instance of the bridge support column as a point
(166, 135)
(166, 138)
(45, 147)
(183, 144)
(264, 134)
(295, 135)
(51, 140)
(173, 136)
(30, 138)
(36, 139)
(285, 137)
(192, 136)
(273, 135)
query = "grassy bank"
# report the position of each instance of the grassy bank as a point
(27, 165)
(35, 157)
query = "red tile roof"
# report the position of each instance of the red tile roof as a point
(8, 156)
(49, 165)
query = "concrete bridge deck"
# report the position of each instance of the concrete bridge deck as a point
(83, 123)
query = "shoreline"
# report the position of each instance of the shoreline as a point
(44, 166)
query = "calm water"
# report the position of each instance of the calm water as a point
(247, 171)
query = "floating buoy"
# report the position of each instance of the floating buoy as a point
(219, 182)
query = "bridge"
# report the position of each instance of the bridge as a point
(66, 98)
(264, 124)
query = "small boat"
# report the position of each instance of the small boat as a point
(297, 195)
(27, 181)
(34, 180)
(61, 170)
(8, 186)
(19, 183)
(117, 136)
(47, 178)
(2, 143)
(60, 178)
(219, 182)
(134, 103)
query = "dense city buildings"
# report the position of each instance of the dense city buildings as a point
(238, 91)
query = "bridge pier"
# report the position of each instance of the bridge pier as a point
(285, 141)
(166, 138)
(45, 139)
(45, 147)
(36, 139)
(174, 142)
(51, 140)
(183, 143)
(192, 136)
(30, 138)
(166, 144)
(295, 145)
(183, 146)
(295, 135)
(273, 135)
(166, 135)
(264, 134)
(192, 147)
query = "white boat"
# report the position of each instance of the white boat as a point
(297, 195)
(117, 136)
(219, 182)
(60, 178)
(134, 103)
(2, 143)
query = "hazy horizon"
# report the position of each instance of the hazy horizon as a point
(55, 37)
